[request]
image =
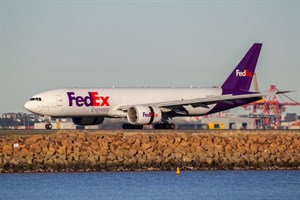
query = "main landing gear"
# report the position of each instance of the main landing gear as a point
(164, 126)
(132, 126)
(156, 126)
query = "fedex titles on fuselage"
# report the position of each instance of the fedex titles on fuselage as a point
(92, 99)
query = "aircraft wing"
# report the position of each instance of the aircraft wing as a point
(201, 102)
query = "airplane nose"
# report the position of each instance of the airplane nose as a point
(27, 106)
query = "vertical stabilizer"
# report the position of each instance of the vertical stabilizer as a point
(241, 77)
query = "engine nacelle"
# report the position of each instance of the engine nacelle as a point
(85, 121)
(144, 115)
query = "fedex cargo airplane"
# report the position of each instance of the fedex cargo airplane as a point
(141, 106)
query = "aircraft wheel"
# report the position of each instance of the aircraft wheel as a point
(132, 126)
(48, 126)
(137, 126)
(157, 126)
(164, 126)
(172, 126)
(125, 126)
(160, 126)
(167, 126)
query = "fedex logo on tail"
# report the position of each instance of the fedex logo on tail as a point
(92, 99)
(243, 73)
(149, 114)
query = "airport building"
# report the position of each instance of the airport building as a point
(232, 122)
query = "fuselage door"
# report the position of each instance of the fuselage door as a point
(59, 100)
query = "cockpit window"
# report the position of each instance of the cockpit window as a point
(35, 99)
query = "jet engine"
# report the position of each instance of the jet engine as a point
(144, 115)
(85, 121)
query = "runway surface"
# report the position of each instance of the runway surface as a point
(10, 132)
(111, 131)
(24, 132)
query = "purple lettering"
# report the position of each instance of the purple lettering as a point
(88, 100)
(146, 114)
(93, 99)
(149, 114)
(71, 98)
(79, 101)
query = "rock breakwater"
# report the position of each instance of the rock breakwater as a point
(150, 150)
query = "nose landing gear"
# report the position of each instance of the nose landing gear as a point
(47, 120)
(48, 126)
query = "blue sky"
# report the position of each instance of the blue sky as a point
(53, 44)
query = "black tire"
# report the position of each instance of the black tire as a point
(125, 126)
(141, 126)
(172, 126)
(136, 126)
(157, 126)
(48, 126)
(167, 126)
(164, 126)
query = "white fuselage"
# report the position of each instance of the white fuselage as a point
(73, 102)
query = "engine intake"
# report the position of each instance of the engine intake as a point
(85, 121)
(144, 115)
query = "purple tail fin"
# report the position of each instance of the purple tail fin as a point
(241, 77)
